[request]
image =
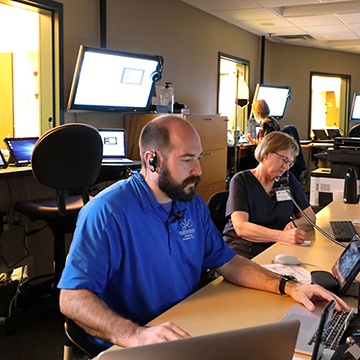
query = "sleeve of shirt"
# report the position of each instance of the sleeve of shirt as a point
(87, 265)
(238, 195)
(217, 252)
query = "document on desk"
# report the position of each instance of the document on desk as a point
(305, 243)
(302, 275)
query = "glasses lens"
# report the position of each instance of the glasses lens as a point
(285, 160)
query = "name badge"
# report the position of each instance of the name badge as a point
(282, 195)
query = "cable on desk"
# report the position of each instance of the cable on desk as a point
(312, 223)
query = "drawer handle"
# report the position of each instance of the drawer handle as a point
(208, 119)
(207, 189)
(207, 154)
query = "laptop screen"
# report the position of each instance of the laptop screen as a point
(113, 142)
(21, 148)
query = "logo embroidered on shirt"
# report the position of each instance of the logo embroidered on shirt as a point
(188, 231)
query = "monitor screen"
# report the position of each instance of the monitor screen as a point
(108, 80)
(355, 109)
(275, 96)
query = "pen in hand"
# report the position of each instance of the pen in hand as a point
(291, 218)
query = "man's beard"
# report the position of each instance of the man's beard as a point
(174, 190)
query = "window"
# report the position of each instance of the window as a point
(31, 66)
(329, 103)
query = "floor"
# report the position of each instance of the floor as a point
(39, 337)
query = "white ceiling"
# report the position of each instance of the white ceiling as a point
(317, 23)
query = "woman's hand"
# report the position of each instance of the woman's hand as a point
(293, 235)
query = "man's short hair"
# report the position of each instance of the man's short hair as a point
(274, 142)
(155, 135)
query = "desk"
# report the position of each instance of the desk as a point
(221, 306)
(108, 172)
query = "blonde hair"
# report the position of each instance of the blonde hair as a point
(274, 142)
(261, 109)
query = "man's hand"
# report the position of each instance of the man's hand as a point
(156, 334)
(304, 293)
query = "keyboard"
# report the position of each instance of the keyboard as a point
(335, 329)
(342, 230)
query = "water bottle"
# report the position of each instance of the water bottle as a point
(169, 97)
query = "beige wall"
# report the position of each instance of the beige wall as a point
(187, 38)
(190, 40)
(291, 65)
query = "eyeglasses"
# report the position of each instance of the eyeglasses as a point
(285, 160)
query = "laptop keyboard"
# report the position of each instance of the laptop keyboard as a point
(335, 329)
(342, 230)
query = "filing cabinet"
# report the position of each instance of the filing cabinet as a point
(212, 131)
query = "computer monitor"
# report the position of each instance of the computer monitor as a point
(275, 96)
(109, 80)
(355, 108)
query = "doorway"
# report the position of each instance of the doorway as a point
(329, 104)
(31, 67)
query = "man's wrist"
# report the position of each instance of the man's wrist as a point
(283, 281)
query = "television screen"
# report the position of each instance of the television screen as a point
(355, 109)
(275, 96)
(108, 80)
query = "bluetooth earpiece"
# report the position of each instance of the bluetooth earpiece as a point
(153, 161)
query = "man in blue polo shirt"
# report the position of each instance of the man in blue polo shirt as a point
(141, 244)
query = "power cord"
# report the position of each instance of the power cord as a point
(26, 234)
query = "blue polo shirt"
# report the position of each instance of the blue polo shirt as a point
(135, 256)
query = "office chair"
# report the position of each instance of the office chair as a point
(300, 164)
(77, 343)
(217, 207)
(354, 131)
(68, 159)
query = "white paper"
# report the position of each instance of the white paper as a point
(302, 275)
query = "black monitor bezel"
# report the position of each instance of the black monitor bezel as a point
(353, 106)
(72, 107)
(278, 117)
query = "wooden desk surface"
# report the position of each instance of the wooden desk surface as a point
(221, 306)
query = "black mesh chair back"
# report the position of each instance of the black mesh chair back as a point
(217, 207)
(300, 164)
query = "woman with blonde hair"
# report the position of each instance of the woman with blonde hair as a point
(268, 124)
(260, 211)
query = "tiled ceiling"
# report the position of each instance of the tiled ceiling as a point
(323, 24)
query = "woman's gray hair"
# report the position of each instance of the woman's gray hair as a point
(274, 142)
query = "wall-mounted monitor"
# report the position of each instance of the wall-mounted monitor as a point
(275, 96)
(109, 80)
(355, 108)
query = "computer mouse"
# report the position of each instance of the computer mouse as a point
(286, 259)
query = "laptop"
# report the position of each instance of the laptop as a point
(272, 342)
(320, 134)
(345, 269)
(20, 150)
(3, 163)
(114, 147)
(333, 133)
